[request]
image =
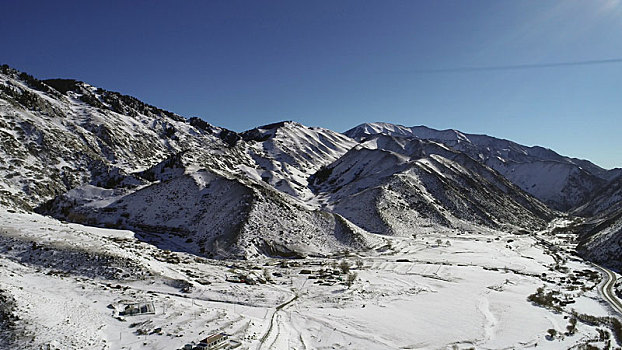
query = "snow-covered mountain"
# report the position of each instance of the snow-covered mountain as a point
(561, 182)
(233, 211)
(605, 201)
(214, 214)
(96, 157)
(59, 134)
(601, 233)
(409, 185)
(288, 153)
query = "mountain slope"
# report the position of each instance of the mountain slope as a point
(389, 185)
(561, 182)
(600, 239)
(60, 134)
(208, 213)
(607, 200)
(601, 234)
(98, 157)
(287, 153)
(89, 148)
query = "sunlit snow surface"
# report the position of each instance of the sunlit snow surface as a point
(461, 289)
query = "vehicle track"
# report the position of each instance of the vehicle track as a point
(272, 319)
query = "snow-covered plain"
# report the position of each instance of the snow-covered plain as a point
(447, 289)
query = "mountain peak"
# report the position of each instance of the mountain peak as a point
(264, 132)
(421, 131)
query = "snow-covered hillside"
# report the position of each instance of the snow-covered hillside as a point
(208, 214)
(107, 159)
(60, 134)
(67, 140)
(413, 185)
(561, 182)
(288, 153)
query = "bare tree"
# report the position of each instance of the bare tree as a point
(344, 266)
(552, 333)
(351, 278)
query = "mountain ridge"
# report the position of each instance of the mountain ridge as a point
(79, 153)
(516, 162)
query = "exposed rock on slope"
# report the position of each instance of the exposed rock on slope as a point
(8, 320)
(605, 201)
(600, 239)
(601, 234)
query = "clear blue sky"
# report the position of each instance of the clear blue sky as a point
(336, 64)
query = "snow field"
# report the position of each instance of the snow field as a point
(448, 289)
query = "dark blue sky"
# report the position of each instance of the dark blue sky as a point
(336, 64)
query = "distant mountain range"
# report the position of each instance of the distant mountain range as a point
(88, 155)
(561, 182)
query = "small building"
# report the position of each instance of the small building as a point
(137, 309)
(214, 341)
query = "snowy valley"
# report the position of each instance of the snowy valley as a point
(124, 226)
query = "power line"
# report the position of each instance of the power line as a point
(516, 67)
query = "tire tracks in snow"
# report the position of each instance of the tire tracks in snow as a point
(263, 339)
(490, 321)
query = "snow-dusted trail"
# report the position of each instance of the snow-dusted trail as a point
(264, 339)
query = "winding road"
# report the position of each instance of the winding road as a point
(606, 289)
